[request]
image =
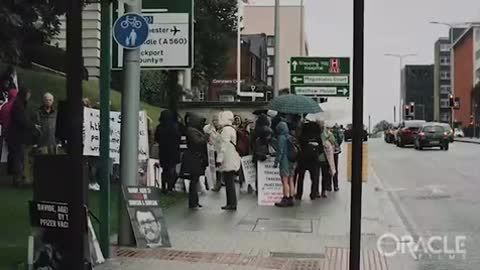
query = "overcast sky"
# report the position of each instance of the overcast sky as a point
(391, 26)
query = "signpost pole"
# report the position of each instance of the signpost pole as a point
(276, 84)
(129, 129)
(357, 142)
(106, 38)
(78, 223)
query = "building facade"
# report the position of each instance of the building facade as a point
(466, 64)
(418, 89)
(260, 19)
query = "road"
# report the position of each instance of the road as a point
(437, 193)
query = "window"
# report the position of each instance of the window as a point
(270, 41)
(270, 71)
(477, 34)
(445, 117)
(201, 94)
(445, 75)
(445, 89)
(271, 61)
(445, 60)
(444, 103)
(477, 54)
(270, 81)
(270, 51)
(445, 47)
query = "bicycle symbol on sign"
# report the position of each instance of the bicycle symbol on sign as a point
(131, 21)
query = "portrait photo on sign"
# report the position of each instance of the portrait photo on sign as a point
(149, 227)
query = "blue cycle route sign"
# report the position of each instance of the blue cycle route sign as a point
(130, 30)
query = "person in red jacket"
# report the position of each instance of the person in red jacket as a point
(6, 109)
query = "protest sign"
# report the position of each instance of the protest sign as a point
(269, 183)
(211, 170)
(249, 171)
(91, 134)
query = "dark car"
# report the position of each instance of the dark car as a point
(432, 135)
(348, 134)
(407, 132)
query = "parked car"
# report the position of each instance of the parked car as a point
(432, 135)
(407, 131)
(458, 132)
(389, 134)
(348, 134)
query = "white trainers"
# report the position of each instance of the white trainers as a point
(94, 187)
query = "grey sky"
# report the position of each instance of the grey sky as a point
(391, 26)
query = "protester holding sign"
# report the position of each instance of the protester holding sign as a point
(195, 158)
(228, 159)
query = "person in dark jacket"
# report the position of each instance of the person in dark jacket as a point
(46, 119)
(195, 158)
(19, 136)
(311, 147)
(168, 136)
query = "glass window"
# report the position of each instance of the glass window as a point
(444, 103)
(445, 60)
(433, 129)
(445, 47)
(445, 89)
(270, 81)
(445, 75)
(271, 41)
(271, 61)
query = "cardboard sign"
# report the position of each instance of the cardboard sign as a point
(249, 171)
(51, 215)
(91, 134)
(146, 216)
(364, 162)
(269, 183)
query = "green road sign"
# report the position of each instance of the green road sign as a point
(320, 76)
(170, 42)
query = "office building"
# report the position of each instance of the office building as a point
(418, 90)
(466, 66)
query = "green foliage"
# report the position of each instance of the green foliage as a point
(382, 125)
(25, 24)
(152, 87)
(215, 29)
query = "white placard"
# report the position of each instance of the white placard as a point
(211, 170)
(154, 173)
(249, 171)
(91, 134)
(270, 188)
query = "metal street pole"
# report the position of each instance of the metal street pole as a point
(276, 84)
(77, 211)
(401, 102)
(239, 46)
(357, 141)
(129, 129)
(106, 37)
(394, 114)
(369, 124)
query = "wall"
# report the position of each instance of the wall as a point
(260, 19)
(463, 77)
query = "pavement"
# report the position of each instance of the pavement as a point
(468, 140)
(437, 194)
(311, 235)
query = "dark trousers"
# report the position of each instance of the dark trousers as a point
(326, 177)
(193, 192)
(169, 178)
(229, 178)
(314, 170)
(335, 176)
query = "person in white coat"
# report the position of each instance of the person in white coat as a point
(228, 159)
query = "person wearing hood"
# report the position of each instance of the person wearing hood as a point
(195, 158)
(19, 136)
(46, 119)
(287, 168)
(228, 159)
(167, 136)
(212, 131)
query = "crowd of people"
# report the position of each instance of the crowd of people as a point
(296, 144)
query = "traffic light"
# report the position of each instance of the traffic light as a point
(407, 111)
(412, 108)
(451, 101)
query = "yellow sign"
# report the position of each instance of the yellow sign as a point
(364, 162)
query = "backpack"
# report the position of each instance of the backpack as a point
(312, 149)
(292, 149)
(243, 143)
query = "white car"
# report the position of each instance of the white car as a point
(458, 133)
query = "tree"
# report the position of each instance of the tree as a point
(152, 87)
(382, 125)
(215, 29)
(25, 24)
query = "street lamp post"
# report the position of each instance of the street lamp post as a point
(400, 58)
